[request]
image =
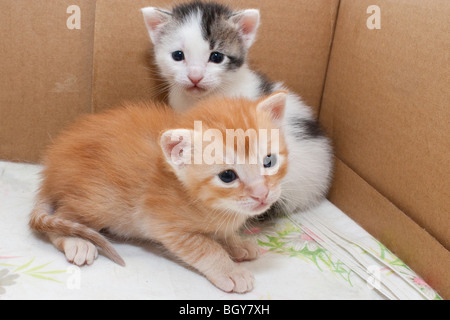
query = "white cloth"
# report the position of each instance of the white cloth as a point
(294, 265)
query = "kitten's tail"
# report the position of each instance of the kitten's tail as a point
(41, 220)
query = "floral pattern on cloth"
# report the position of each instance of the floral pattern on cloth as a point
(6, 279)
(287, 238)
(281, 237)
(12, 268)
(395, 263)
(295, 264)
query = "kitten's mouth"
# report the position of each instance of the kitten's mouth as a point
(195, 90)
(263, 206)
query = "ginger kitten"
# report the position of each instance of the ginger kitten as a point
(201, 50)
(141, 172)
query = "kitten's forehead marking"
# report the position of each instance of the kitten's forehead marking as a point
(194, 44)
(210, 13)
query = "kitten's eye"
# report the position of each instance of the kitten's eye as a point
(216, 57)
(228, 176)
(178, 55)
(270, 161)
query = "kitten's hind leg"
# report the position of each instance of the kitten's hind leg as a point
(78, 251)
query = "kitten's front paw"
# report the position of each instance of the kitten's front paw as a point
(239, 280)
(244, 251)
(79, 251)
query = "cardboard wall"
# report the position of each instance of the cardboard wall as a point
(45, 73)
(386, 105)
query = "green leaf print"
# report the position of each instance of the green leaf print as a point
(289, 240)
(37, 272)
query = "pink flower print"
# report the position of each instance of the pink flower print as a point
(252, 230)
(306, 237)
(420, 282)
(300, 241)
(310, 232)
(426, 289)
(8, 257)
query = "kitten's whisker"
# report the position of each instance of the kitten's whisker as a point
(223, 218)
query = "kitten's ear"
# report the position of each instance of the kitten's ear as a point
(154, 18)
(274, 105)
(176, 146)
(248, 23)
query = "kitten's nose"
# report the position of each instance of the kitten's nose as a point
(260, 193)
(195, 79)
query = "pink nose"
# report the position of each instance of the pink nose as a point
(195, 80)
(260, 193)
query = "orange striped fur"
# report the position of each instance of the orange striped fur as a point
(109, 171)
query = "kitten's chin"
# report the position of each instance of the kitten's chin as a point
(248, 212)
(256, 209)
(261, 207)
(196, 90)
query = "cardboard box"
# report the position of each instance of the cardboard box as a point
(386, 105)
(380, 88)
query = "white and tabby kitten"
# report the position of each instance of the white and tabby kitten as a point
(201, 50)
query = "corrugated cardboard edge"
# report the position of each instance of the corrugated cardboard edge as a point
(94, 37)
(333, 32)
(391, 226)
